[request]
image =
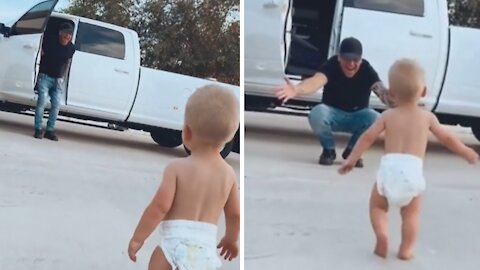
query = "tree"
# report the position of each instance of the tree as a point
(464, 13)
(119, 12)
(198, 37)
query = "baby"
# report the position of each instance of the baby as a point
(400, 180)
(195, 190)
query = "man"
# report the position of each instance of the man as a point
(56, 57)
(348, 81)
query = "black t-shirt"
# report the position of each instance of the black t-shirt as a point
(55, 57)
(348, 94)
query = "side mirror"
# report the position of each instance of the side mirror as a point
(4, 30)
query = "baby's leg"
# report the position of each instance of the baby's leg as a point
(158, 261)
(410, 216)
(378, 217)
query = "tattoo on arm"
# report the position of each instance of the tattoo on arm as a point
(382, 93)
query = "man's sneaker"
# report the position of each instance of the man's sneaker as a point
(327, 157)
(38, 134)
(50, 135)
(347, 153)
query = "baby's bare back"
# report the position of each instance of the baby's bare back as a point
(202, 189)
(407, 130)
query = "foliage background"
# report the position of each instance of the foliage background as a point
(199, 38)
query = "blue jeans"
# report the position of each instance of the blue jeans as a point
(52, 87)
(325, 120)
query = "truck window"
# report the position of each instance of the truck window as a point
(465, 13)
(100, 40)
(34, 20)
(407, 7)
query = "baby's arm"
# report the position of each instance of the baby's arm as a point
(229, 244)
(363, 143)
(449, 140)
(155, 211)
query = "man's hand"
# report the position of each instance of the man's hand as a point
(286, 91)
(229, 249)
(133, 248)
(346, 167)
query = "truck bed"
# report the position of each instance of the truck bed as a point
(170, 89)
(461, 90)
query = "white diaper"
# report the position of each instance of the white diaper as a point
(400, 178)
(189, 245)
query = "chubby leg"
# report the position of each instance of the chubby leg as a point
(158, 261)
(410, 225)
(378, 217)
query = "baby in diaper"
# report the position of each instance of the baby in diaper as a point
(195, 190)
(400, 181)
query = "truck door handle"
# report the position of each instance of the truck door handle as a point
(270, 4)
(121, 71)
(28, 46)
(420, 35)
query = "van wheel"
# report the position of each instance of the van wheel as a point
(225, 151)
(167, 137)
(476, 132)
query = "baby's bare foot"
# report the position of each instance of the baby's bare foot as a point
(405, 253)
(405, 256)
(381, 248)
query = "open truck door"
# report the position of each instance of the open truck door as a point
(20, 50)
(267, 40)
(392, 29)
(105, 55)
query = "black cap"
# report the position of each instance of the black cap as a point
(351, 48)
(66, 27)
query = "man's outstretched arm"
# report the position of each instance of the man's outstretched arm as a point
(306, 87)
(383, 94)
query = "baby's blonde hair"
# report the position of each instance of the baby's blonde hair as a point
(212, 114)
(406, 80)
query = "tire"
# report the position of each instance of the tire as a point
(476, 132)
(236, 144)
(167, 137)
(227, 149)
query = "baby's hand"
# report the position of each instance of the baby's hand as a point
(133, 248)
(346, 167)
(229, 249)
(471, 156)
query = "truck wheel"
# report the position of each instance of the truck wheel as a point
(476, 132)
(225, 151)
(167, 137)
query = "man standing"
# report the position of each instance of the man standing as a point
(56, 57)
(348, 81)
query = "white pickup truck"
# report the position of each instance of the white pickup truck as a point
(292, 37)
(105, 82)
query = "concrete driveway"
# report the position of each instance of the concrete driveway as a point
(301, 215)
(74, 204)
